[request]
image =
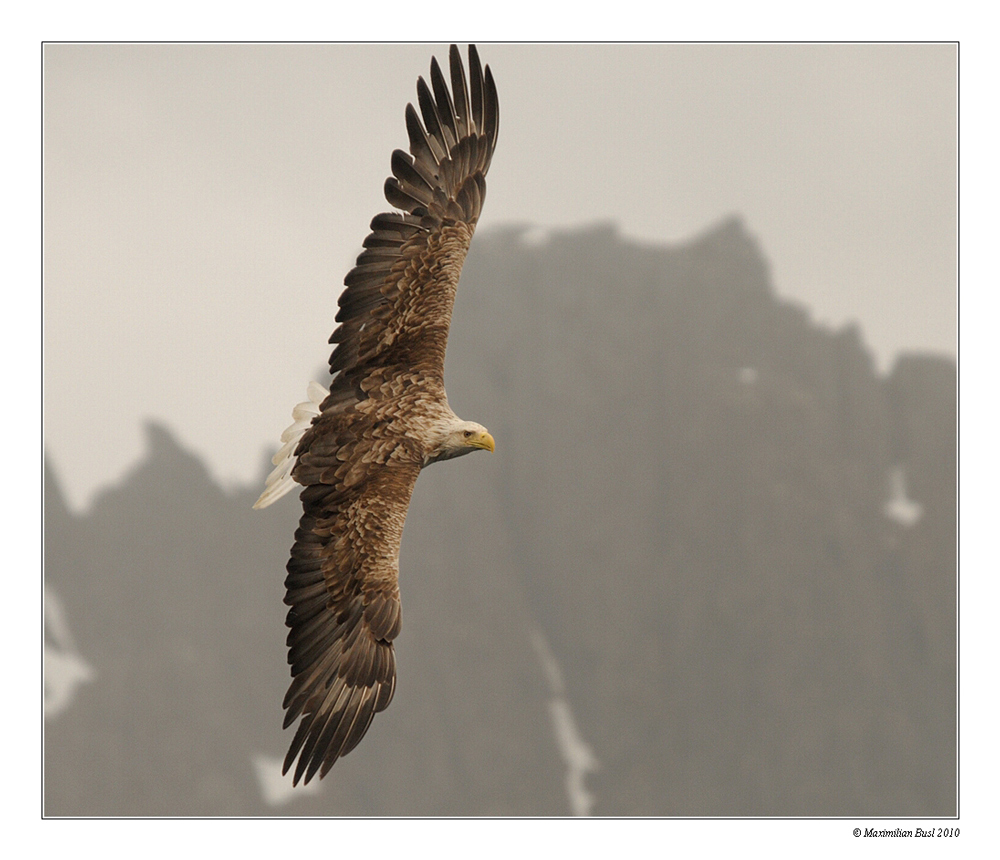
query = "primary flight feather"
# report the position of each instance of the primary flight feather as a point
(357, 449)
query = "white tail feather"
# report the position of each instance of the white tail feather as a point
(295, 430)
(280, 481)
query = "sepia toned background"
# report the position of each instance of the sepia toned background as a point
(709, 317)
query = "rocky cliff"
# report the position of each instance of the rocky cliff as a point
(734, 540)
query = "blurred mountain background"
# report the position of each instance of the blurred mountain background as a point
(711, 570)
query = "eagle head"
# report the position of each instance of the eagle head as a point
(461, 437)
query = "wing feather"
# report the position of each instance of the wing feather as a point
(432, 121)
(420, 146)
(461, 91)
(410, 180)
(446, 112)
(476, 78)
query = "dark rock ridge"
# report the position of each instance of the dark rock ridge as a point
(687, 501)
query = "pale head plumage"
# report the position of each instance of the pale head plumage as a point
(460, 437)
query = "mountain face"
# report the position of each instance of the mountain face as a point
(709, 571)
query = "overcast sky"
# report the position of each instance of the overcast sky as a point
(202, 204)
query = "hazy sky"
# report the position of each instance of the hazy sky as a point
(202, 204)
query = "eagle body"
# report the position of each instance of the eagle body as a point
(357, 449)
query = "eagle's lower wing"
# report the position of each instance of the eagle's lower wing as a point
(342, 587)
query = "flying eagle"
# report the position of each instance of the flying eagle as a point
(358, 448)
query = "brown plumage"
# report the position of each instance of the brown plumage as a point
(359, 448)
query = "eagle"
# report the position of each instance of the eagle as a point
(358, 448)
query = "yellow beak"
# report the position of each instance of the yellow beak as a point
(482, 440)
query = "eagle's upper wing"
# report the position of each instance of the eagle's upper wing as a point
(396, 309)
(358, 475)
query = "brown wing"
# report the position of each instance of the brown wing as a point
(397, 307)
(343, 591)
(356, 463)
